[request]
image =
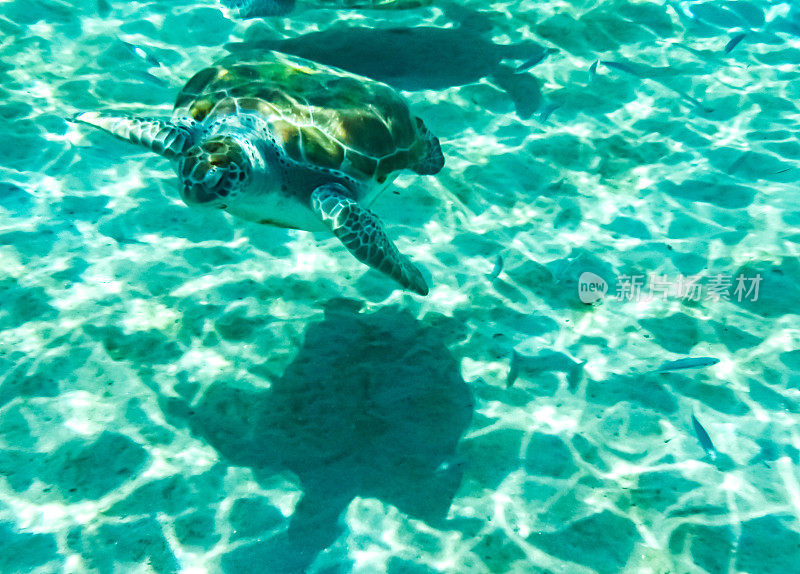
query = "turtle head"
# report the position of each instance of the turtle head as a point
(213, 171)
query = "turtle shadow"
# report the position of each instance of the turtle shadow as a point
(373, 406)
(416, 58)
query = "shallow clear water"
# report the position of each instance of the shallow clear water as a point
(182, 391)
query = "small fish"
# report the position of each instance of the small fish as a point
(733, 42)
(548, 109)
(103, 8)
(498, 267)
(705, 440)
(148, 77)
(141, 53)
(709, 509)
(622, 67)
(450, 464)
(687, 363)
(513, 369)
(531, 62)
(593, 70)
(695, 102)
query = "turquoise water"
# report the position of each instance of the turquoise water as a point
(185, 392)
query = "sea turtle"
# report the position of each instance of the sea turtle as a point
(260, 8)
(281, 140)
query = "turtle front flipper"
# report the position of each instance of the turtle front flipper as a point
(362, 233)
(164, 138)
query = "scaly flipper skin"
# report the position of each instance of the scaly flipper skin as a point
(362, 233)
(163, 137)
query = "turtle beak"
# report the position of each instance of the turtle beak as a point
(164, 138)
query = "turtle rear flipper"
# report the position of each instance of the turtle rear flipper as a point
(362, 233)
(432, 160)
(163, 137)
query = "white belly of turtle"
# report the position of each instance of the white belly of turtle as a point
(276, 209)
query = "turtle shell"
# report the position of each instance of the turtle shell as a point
(320, 115)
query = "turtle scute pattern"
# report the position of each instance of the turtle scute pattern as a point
(320, 115)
